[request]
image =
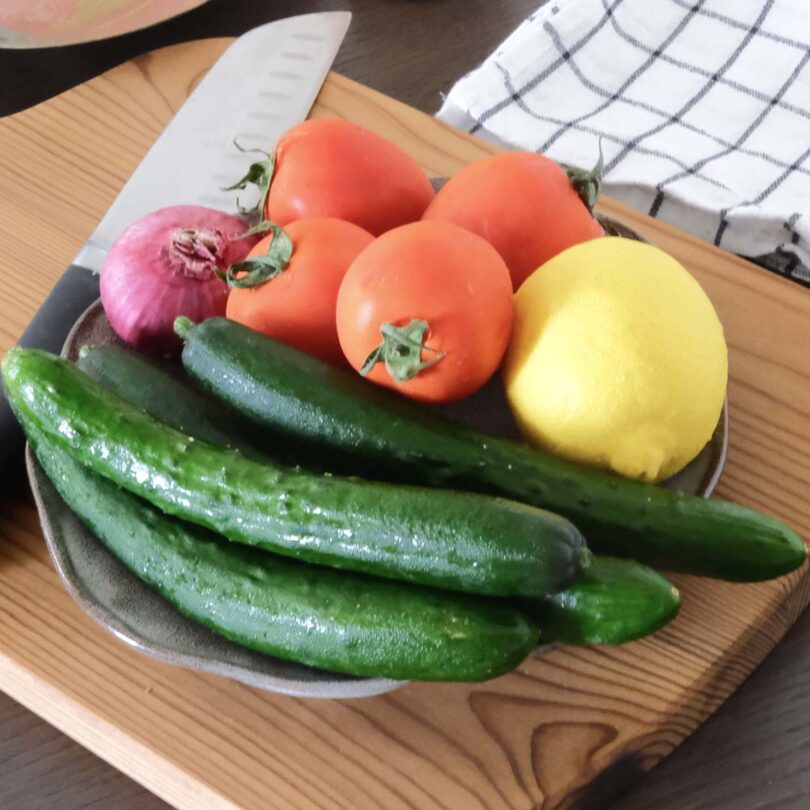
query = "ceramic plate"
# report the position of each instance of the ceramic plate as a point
(120, 602)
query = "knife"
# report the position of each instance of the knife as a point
(263, 84)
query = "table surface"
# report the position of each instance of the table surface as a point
(750, 756)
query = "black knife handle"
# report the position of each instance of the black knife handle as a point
(71, 296)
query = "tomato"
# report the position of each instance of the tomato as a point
(426, 309)
(520, 202)
(328, 167)
(297, 306)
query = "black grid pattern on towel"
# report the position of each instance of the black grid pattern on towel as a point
(527, 87)
(685, 108)
(749, 130)
(566, 57)
(523, 105)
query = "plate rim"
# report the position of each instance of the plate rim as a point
(74, 584)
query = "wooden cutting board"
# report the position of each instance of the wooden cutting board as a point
(569, 728)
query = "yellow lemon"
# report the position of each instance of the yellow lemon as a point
(617, 359)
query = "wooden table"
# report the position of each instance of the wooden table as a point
(749, 756)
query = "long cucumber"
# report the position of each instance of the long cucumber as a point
(339, 415)
(335, 620)
(166, 394)
(458, 541)
(614, 602)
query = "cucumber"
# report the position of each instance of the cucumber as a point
(340, 621)
(342, 416)
(615, 601)
(167, 394)
(459, 541)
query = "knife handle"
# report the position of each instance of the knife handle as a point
(73, 293)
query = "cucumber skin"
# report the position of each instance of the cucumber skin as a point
(340, 414)
(344, 622)
(614, 602)
(452, 540)
(167, 395)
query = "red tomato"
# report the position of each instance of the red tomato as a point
(520, 202)
(297, 306)
(332, 168)
(449, 279)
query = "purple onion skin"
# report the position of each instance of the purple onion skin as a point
(162, 267)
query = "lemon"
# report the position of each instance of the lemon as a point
(617, 359)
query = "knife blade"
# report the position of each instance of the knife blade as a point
(263, 84)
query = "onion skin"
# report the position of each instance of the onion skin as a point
(163, 266)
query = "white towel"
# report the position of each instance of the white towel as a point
(703, 107)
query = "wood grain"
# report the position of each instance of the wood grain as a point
(48, 767)
(753, 754)
(569, 728)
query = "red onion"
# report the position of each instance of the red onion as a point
(163, 266)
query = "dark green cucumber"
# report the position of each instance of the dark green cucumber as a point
(334, 620)
(613, 602)
(618, 600)
(452, 540)
(340, 414)
(167, 395)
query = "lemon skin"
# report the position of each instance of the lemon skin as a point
(617, 359)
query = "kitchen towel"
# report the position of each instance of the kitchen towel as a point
(702, 107)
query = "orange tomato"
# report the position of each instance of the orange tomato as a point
(297, 306)
(332, 168)
(520, 202)
(434, 284)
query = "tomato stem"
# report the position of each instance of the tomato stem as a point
(259, 174)
(588, 184)
(258, 270)
(401, 351)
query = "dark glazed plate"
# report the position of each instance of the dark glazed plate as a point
(114, 597)
(120, 602)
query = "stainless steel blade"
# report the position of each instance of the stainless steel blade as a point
(262, 85)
